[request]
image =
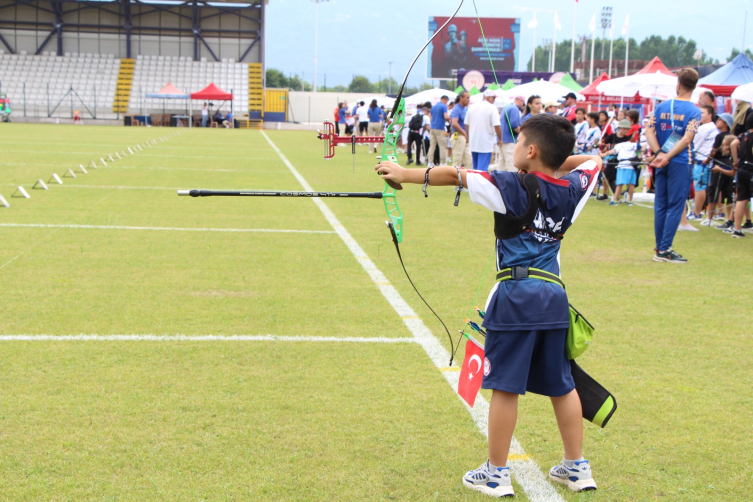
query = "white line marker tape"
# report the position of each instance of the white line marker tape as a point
(3, 202)
(56, 178)
(167, 229)
(525, 470)
(83, 169)
(200, 338)
(23, 193)
(40, 184)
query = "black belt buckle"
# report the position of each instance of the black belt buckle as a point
(519, 273)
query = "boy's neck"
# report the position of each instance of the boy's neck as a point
(538, 167)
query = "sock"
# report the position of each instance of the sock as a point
(493, 468)
(571, 463)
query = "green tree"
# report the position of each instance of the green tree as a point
(672, 51)
(736, 51)
(277, 80)
(360, 84)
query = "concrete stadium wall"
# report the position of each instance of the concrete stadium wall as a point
(316, 107)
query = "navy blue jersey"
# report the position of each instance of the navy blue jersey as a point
(531, 304)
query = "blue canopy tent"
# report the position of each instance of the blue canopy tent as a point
(172, 92)
(726, 79)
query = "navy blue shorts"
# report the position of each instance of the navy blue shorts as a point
(527, 361)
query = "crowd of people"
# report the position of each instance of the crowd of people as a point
(679, 144)
(208, 118)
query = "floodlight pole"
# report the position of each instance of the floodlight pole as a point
(316, 38)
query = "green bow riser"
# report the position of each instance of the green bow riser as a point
(389, 153)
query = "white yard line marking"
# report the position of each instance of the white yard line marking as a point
(167, 229)
(200, 338)
(527, 473)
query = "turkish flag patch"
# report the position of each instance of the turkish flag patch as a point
(471, 374)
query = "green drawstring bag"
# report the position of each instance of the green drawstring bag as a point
(579, 334)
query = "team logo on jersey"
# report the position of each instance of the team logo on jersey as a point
(487, 366)
(583, 181)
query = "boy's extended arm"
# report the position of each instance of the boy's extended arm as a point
(574, 162)
(439, 176)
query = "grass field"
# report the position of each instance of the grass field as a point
(116, 252)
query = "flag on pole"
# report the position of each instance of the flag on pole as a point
(533, 23)
(626, 25)
(557, 24)
(470, 374)
(592, 24)
(611, 29)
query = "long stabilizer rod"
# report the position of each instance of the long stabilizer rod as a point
(244, 193)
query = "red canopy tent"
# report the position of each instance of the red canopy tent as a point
(212, 92)
(595, 98)
(655, 65)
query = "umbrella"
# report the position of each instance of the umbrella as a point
(542, 88)
(743, 93)
(432, 95)
(649, 85)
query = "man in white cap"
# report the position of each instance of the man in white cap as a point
(482, 126)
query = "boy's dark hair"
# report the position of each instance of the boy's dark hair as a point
(687, 78)
(602, 112)
(709, 109)
(553, 134)
(633, 116)
(580, 109)
(594, 116)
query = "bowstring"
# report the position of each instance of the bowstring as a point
(494, 72)
(475, 300)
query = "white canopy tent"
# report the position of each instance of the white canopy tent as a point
(431, 95)
(648, 85)
(547, 91)
(743, 93)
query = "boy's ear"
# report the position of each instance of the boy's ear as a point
(533, 151)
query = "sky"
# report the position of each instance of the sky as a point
(361, 37)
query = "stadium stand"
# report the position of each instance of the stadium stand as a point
(40, 82)
(153, 72)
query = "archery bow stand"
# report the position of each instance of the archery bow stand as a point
(331, 140)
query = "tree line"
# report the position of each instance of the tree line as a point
(359, 83)
(673, 52)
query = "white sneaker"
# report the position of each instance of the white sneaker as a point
(688, 228)
(578, 477)
(496, 484)
(706, 223)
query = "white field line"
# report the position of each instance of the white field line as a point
(527, 473)
(200, 338)
(167, 229)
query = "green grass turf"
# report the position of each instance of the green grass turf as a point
(314, 421)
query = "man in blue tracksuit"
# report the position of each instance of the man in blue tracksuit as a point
(670, 133)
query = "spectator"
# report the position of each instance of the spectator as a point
(533, 107)
(362, 116)
(742, 160)
(581, 128)
(461, 153)
(635, 128)
(217, 117)
(426, 131)
(229, 123)
(742, 112)
(350, 119)
(415, 136)
(450, 106)
(593, 135)
(626, 152)
(605, 123)
(703, 143)
(570, 107)
(551, 108)
(612, 111)
(341, 112)
(670, 134)
(376, 117)
(610, 161)
(510, 124)
(721, 180)
(482, 126)
(204, 115)
(437, 134)
(707, 99)
(620, 115)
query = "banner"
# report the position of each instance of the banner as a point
(460, 46)
(483, 79)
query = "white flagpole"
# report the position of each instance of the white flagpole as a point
(591, 73)
(627, 44)
(554, 50)
(572, 48)
(533, 62)
(611, 45)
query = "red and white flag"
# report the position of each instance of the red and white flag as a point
(626, 26)
(557, 24)
(471, 374)
(592, 24)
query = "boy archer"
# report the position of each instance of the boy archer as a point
(527, 313)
